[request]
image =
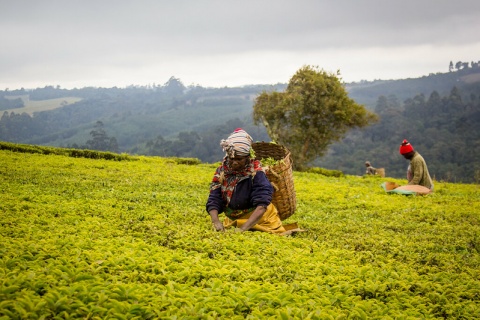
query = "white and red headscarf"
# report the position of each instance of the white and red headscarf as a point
(238, 143)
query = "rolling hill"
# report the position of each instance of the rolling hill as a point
(196, 118)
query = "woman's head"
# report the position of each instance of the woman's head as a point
(238, 144)
(237, 148)
(238, 163)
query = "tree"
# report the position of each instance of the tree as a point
(113, 145)
(382, 104)
(174, 87)
(100, 140)
(158, 147)
(312, 113)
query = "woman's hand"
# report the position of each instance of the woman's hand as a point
(217, 224)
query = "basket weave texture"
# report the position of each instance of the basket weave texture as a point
(280, 176)
(381, 172)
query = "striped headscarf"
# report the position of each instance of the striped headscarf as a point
(238, 143)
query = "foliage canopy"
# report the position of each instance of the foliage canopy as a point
(312, 113)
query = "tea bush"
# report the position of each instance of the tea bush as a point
(100, 239)
(326, 172)
(77, 153)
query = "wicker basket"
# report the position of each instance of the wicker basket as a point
(280, 176)
(381, 172)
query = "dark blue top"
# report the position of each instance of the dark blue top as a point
(249, 193)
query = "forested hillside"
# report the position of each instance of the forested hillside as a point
(438, 113)
(133, 115)
(443, 129)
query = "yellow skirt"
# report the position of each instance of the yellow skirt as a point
(270, 221)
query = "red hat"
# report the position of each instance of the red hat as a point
(406, 147)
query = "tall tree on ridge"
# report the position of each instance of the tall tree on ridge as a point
(311, 114)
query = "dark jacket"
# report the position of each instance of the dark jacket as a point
(249, 193)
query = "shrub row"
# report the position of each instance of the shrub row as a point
(76, 153)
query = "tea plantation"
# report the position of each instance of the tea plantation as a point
(130, 239)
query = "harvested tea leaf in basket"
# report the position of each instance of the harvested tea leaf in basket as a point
(270, 162)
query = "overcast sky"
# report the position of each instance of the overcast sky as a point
(107, 43)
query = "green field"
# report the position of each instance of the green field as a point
(102, 239)
(32, 106)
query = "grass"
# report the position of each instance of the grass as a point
(32, 106)
(100, 239)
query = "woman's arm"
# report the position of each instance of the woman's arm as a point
(257, 214)
(260, 198)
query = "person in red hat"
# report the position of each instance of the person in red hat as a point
(417, 172)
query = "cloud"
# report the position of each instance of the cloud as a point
(229, 43)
